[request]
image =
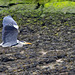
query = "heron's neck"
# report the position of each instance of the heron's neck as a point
(20, 42)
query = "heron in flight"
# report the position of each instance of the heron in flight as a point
(10, 33)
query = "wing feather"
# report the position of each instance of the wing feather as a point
(9, 32)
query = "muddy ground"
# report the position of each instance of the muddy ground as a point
(53, 46)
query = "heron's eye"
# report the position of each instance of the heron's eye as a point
(22, 41)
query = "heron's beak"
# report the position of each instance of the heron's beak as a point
(27, 43)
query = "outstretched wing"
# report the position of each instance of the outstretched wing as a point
(8, 20)
(10, 31)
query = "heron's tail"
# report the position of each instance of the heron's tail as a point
(1, 44)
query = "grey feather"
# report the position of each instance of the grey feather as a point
(8, 20)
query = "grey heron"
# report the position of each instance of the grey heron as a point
(10, 33)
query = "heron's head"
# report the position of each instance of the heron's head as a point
(25, 43)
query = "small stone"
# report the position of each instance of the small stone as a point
(22, 52)
(59, 60)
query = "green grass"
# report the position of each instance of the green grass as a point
(6, 2)
(65, 6)
(53, 7)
